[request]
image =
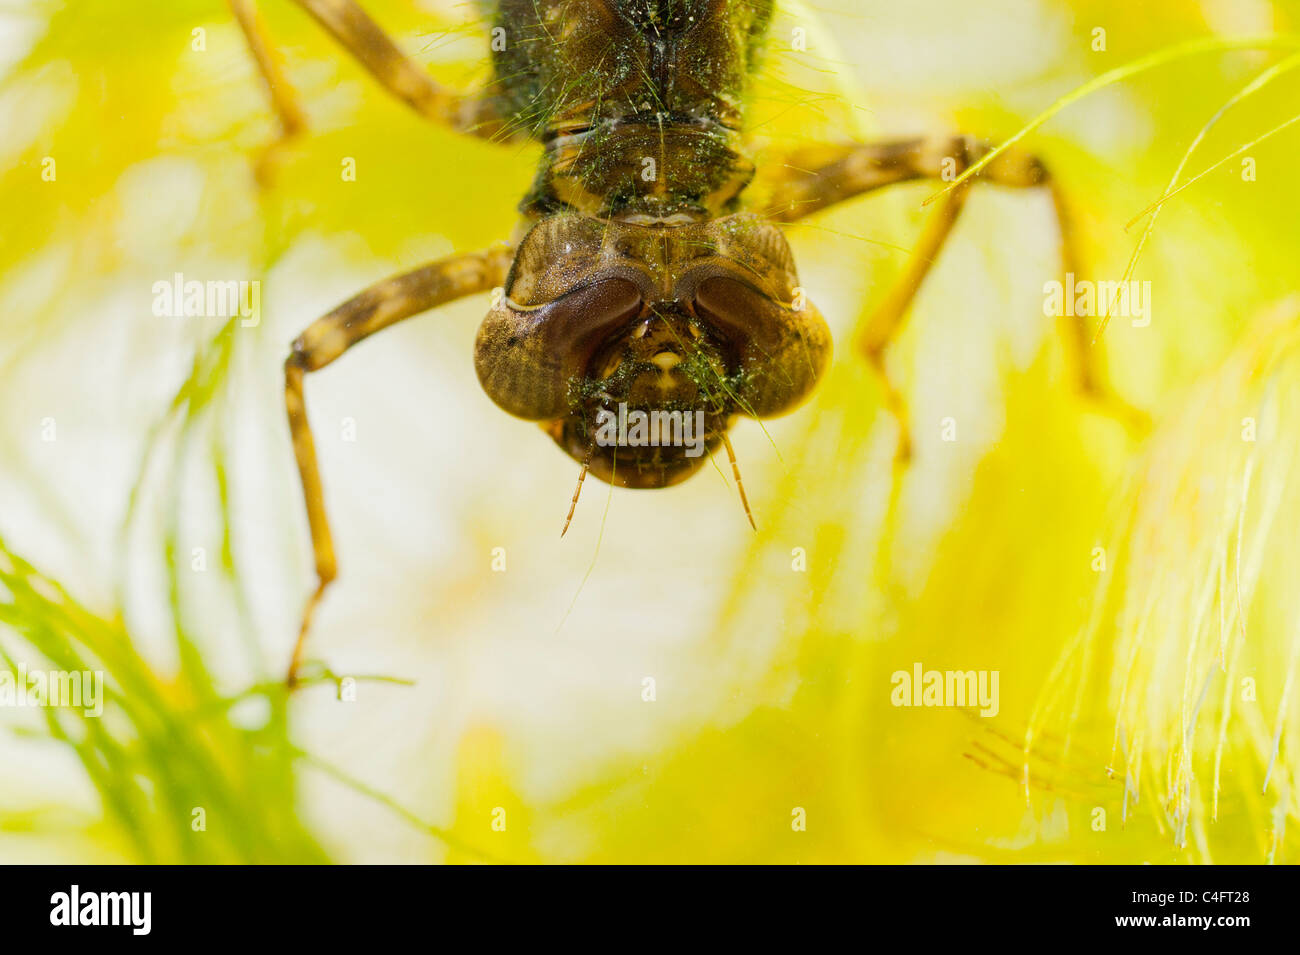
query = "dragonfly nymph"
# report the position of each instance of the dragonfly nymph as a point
(642, 282)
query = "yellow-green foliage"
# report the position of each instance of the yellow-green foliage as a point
(1136, 594)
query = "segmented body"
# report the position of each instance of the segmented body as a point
(641, 293)
(639, 103)
(641, 288)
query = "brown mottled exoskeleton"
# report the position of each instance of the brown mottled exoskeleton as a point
(643, 281)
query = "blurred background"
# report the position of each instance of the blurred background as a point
(663, 684)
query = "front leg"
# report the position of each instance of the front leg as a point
(816, 178)
(813, 178)
(357, 33)
(327, 338)
(284, 100)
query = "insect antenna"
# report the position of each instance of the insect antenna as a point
(582, 476)
(740, 485)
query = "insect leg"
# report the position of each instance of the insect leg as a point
(814, 179)
(283, 98)
(327, 338)
(356, 32)
(1090, 372)
(885, 322)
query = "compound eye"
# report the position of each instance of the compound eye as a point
(557, 256)
(781, 350)
(743, 315)
(526, 357)
(729, 300)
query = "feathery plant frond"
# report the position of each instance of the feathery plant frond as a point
(1172, 706)
(183, 775)
(1193, 647)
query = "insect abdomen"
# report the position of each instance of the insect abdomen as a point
(639, 101)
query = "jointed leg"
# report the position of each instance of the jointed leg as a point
(352, 27)
(814, 178)
(1089, 370)
(327, 338)
(283, 98)
(817, 178)
(883, 325)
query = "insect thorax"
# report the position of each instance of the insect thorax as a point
(638, 102)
